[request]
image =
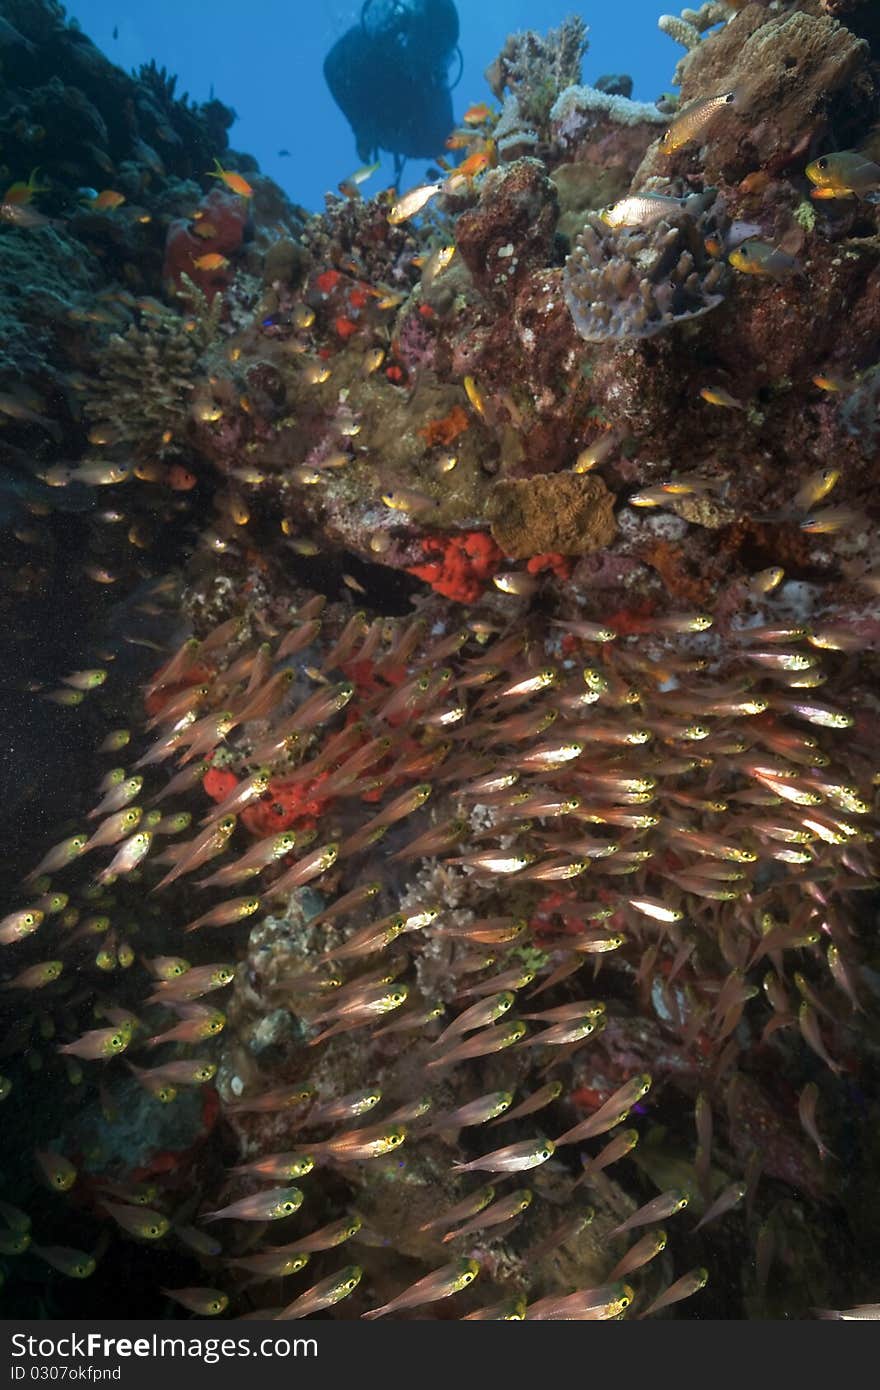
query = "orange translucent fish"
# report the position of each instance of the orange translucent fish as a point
(477, 114)
(475, 164)
(212, 260)
(236, 183)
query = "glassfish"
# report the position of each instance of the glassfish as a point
(273, 1205)
(513, 1158)
(444, 1282)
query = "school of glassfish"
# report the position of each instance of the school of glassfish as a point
(491, 834)
(626, 813)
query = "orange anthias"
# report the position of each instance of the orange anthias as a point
(236, 183)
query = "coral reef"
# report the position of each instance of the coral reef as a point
(638, 283)
(536, 68)
(564, 514)
(449, 640)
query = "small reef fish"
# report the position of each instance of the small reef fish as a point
(442, 1283)
(236, 183)
(211, 260)
(644, 1250)
(615, 1109)
(476, 114)
(412, 202)
(325, 1294)
(142, 1222)
(585, 1305)
(15, 926)
(724, 1202)
(506, 1209)
(58, 856)
(843, 174)
(326, 1237)
(192, 1072)
(513, 1158)
(693, 121)
(511, 1309)
(471, 1206)
(273, 1205)
(360, 1144)
(106, 201)
(98, 1044)
(474, 1112)
(36, 976)
(685, 1287)
(717, 395)
(642, 209)
(76, 1264)
(760, 258)
(272, 1264)
(58, 1171)
(658, 1209)
(209, 1303)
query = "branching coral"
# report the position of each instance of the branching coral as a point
(536, 68)
(690, 26)
(146, 376)
(635, 284)
(513, 135)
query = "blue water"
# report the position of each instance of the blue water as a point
(264, 58)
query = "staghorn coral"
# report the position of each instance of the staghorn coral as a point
(643, 282)
(691, 26)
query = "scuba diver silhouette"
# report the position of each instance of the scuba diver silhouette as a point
(388, 74)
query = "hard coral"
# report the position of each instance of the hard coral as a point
(560, 513)
(798, 70)
(510, 232)
(633, 284)
(465, 563)
(536, 69)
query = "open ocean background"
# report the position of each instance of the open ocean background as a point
(265, 60)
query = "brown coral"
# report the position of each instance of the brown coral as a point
(566, 513)
(790, 68)
(510, 232)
